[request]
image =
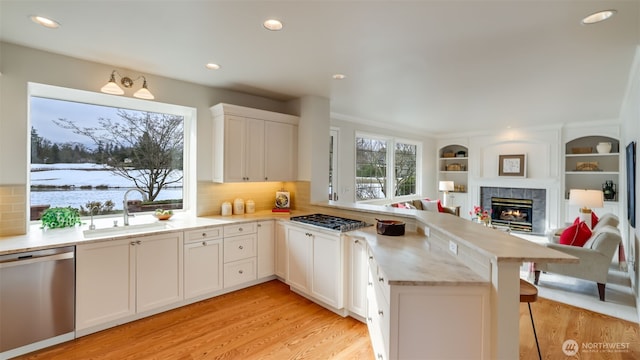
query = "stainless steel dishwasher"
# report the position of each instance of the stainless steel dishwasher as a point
(37, 300)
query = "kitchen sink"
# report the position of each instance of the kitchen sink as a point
(126, 230)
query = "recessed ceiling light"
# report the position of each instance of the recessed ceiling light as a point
(46, 22)
(339, 76)
(272, 24)
(212, 66)
(598, 17)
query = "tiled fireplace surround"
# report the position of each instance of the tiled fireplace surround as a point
(539, 197)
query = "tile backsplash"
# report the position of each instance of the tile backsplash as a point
(13, 215)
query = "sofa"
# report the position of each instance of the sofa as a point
(427, 205)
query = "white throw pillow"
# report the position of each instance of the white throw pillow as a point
(430, 205)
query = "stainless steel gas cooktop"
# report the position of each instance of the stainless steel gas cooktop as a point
(330, 222)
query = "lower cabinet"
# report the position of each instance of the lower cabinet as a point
(358, 276)
(281, 250)
(202, 262)
(240, 250)
(315, 265)
(266, 249)
(117, 279)
(427, 322)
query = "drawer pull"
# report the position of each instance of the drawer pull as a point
(240, 272)
(370, 257)
(239, 229)
(380, 312)
(204, 243)
(369, 319)
(356, 241)
(133, 243)
(204, 234)
(138, 242)
(240, 247)
(370, 283)
(380, 356)
(381, 279)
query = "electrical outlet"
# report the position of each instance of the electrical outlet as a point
(453, 247)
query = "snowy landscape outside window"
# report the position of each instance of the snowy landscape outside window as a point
(86, 156)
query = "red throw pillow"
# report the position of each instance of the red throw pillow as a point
(440, 208)
(576, 221)
(594, 219)
(575, 235)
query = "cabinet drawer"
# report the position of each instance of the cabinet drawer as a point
(239, 247)
(203, 234)
(379, 279)
(240, 229)
(239, 272)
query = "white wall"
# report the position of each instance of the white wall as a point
(346, 147)
(20, 65)
(630, 116)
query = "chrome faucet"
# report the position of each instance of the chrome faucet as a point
(92, 226)
(126, 208)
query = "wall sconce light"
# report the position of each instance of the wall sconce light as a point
(113, 88)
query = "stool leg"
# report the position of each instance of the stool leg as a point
(534, 331)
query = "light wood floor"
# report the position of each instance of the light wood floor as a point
(268, 321)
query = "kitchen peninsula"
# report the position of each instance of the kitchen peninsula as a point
(486, 261)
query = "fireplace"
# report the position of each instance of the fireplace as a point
(536, 215)
(517, 214)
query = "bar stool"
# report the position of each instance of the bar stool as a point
(529, 294)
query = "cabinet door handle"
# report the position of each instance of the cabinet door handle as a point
(369, 319)
(204, 243)
(133, 243)
(380, 312)
(204, 234)
(266, 178)
(240, 247)
(240, 272)
(239, 229)
(380, 356)
(138, 242)
(370, 283)
(356, 241)
(259, 225)
(381, 279)
(370, 257)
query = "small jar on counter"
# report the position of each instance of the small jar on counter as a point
(238, 207)
(226, 209)
(250, 206)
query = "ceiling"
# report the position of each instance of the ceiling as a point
(428, 66)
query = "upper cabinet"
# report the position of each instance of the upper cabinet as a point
(253, 145)
(591, 162)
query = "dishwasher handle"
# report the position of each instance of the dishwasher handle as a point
(36, 259)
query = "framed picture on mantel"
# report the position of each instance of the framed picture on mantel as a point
(512, 165)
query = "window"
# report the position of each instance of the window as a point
(378, 169)
(88, 148)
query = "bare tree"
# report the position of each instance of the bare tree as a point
(149, 147)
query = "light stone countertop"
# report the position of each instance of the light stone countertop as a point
(411, 260)
(496, 245)
(38, 238)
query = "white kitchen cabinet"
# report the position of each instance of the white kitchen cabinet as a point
(252, 145)
(105, 282)
(427, 322)
(203, 262)
(240, 251)
(266, 249)
(299, 257)
(281, 151)
(358, 276)
(315, 265)
(120, 278)
(281, 250)
(327, 274)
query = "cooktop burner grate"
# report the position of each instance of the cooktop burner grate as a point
(330, 222)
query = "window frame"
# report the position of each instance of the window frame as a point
(189, 181)
(390, 160)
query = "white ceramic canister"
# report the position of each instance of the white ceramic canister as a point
(226, 208)
(238, 206)
(250, 206)
(603, 147)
